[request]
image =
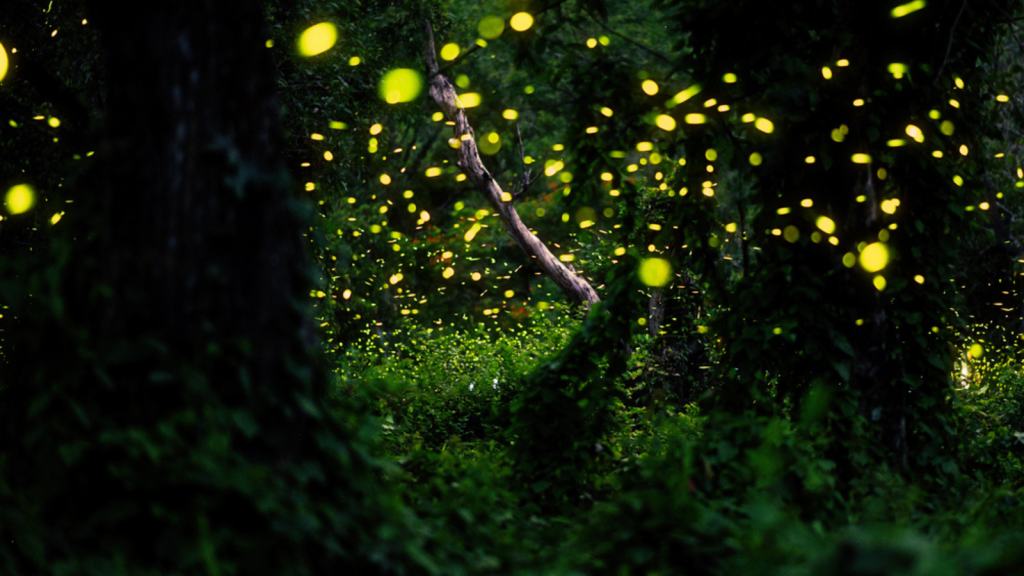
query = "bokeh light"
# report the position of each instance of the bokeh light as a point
(904, 9)
(490, 27)
(874, 257)
(450, 51)
(318, 39)
(400, 85)
(521, 22)
(655, 272)
(3, 62)
(20, 199)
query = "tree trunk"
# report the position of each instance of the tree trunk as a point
(575, 286)
(178, 423)
(196, 216)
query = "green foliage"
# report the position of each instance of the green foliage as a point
(435, 386)
(568, 412)
(121, 457)
(991, 428)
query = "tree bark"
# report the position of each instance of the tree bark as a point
(176, 423)
(201, 238)
(575, 286)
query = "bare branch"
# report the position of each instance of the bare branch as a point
(650, 51)
(443, 93)
(525, 182)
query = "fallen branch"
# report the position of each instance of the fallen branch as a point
(443, 92)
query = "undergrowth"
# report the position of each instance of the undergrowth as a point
(658, 492)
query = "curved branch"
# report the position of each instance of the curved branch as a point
(441, 90)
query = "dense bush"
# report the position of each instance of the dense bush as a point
(435, 386)
(990, 430)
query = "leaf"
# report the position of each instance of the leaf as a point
(843, 344)
(843, 368)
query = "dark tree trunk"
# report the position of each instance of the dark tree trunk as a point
(197, 225)
(179, 426)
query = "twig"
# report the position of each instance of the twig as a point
(526, 182)
(630, 40)
(949, 46)
(458, 60)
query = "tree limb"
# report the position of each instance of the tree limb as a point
(443, 93)
(650, 51)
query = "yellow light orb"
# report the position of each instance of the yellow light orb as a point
(825, 224)
(489, 144)
(400, 85)
(666, 122)
(450, 51)
(874, 257)
(655, 272)
(521, 22)
(318, 39)
(470, 99)
(490, 27)
(20, 199)
(3, 62)
(764, 125)
(897, 69)
(908, 8)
